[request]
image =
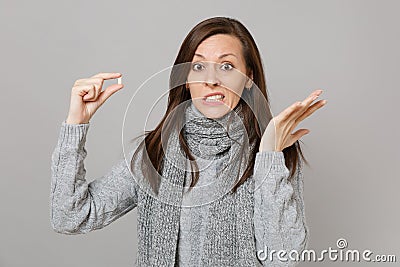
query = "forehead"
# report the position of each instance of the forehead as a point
(219, 44)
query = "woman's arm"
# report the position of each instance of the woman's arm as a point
(279, 214)
(76, 205)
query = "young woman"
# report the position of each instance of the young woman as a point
(242, 168)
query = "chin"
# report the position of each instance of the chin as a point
(215, 112)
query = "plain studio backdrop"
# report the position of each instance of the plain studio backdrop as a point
(350, 49)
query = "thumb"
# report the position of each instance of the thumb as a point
(104, 95)
(300, 133)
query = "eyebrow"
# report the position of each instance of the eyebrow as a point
(221, 56)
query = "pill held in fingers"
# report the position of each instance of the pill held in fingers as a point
(119, 80)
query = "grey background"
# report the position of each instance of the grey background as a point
(348, 48)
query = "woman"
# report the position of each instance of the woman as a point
(254, 201)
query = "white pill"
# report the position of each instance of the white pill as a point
(120, 80)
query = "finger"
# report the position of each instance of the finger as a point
(301, 107)
(307, 113)
(311, 110)
(299, 134)
(287, 113)
(96, 81)
(103, 96)
(91, 95)
(307, 102)
(82, 90)
(292, 138)
(314, 95)
(90, 80)
(98, 84)
(107, 75)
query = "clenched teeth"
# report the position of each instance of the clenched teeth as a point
(215, 98)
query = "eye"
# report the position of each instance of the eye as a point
(197, 66)
(227, 66)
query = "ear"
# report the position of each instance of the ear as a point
(249, 82)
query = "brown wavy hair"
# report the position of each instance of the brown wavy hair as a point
(255, 121)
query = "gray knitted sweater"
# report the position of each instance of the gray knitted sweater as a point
(272, 219)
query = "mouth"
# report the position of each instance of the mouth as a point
(214, 97)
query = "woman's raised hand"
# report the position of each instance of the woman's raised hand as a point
(87, 96)
(278, 134)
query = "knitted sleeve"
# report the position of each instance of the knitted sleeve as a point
(77, 206)
(279, 214)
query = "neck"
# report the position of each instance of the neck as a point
(198, 113)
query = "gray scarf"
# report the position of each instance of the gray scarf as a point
(209, 140)
(223, 139)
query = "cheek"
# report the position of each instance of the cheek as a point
(195, 90)
(234, 96)
(234, 87)
(234, 83)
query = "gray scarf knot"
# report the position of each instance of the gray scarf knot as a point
(212, 138)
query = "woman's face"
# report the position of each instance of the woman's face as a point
(218, 68)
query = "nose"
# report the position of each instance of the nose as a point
(211, 78)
